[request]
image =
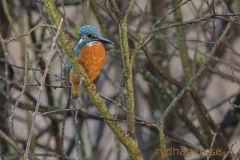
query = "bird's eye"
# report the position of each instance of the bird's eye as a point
(92, 36)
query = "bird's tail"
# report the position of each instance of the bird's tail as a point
(75, 90)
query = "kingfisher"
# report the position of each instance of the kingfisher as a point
(91, 54)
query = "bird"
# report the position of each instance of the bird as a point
(91, 54)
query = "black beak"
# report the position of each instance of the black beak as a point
(103, 40)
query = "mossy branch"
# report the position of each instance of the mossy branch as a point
(127, 63)
(130, 144)
(128, 78)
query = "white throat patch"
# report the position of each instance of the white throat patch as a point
(80, 41)
(90, 44)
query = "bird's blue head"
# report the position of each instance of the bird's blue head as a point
(89, 30)
(87, 35)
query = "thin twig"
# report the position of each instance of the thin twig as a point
(138, 120)
(11, 142)
(233, 75)
(52, 155)
(119, 102)
(76, 133)
(236, 106)
(143, 16)
(114, 7)
(153, 29)
(193, 21)
(64, 14)
(25, 80)
(6, 70)
(32, 85)
(230, 151)
(28, 33)
(195, 76)
(49, 73)
(9, 110)
(30, 64)
(213, 140)
(114, 102)
(40, 90)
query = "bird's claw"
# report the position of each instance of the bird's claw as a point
(94, 86)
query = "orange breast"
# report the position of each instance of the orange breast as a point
(92, 57)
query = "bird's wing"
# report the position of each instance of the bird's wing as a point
(76, 50)
(69, 67)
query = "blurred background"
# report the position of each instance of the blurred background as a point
(158, 71)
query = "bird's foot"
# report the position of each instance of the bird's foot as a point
(94, 86)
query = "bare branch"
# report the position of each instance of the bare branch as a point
(40, 91)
